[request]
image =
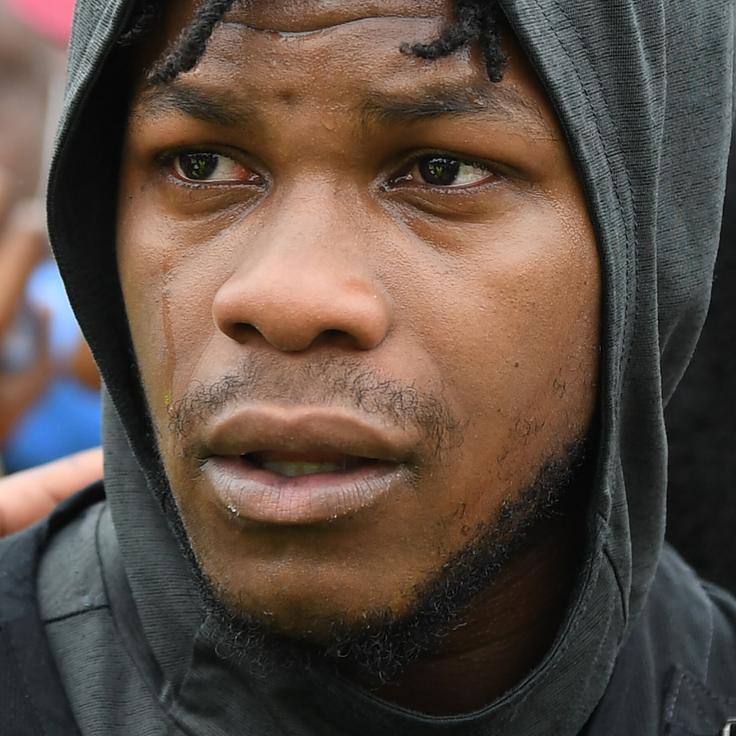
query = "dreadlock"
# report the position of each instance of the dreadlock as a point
(475, 21)
(144, 17)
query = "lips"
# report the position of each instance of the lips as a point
(302, 466)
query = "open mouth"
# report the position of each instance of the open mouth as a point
(294, 465)
(289, 488)
(286, 465)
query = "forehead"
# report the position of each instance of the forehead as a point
(304, 16)
(252, 30)
(337, 52)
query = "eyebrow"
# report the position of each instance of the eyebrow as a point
(500, 103)
(213, 107)
(497, 103)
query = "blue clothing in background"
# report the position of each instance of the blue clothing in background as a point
(66, 419)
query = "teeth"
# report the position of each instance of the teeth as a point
(294, 469)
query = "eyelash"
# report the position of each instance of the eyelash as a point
(416, 158)
(168, 162)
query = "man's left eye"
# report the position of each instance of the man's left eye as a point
(209, 167)
(445, 171)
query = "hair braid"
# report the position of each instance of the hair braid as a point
(476, 21)
(191, 43)
(464, 31)
(146, 14)
(490, 40)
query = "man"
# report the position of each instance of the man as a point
(388, 297)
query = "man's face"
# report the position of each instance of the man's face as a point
(363, 290)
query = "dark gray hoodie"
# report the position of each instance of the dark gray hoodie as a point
(644, 91)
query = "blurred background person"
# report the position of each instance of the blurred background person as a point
(49, 389)
(25, 366)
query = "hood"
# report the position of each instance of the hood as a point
(643, 90)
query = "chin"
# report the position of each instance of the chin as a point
(304, 604)
(303, 580)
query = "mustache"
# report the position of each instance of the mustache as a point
(325, 382)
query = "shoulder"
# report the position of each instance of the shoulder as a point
(692, 623)
(68, 576)
(32, 691)
(677, 668)
(692, 626)
(21, 553)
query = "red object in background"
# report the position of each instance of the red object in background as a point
(50, 18)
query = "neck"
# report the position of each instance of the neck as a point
(503, 635)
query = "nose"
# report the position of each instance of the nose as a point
(302, 281)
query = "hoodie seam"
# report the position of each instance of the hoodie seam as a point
(594, 666)
(630, 252)
(616, 576)
(89, 52)
(711, 632)
(148, 685)
(74, 614)
(669, 715)
(701, 694)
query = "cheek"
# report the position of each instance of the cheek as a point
(168, 292)
(518, 345)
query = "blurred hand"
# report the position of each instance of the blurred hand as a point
(28, 496)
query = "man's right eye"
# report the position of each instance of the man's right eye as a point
(207, 167)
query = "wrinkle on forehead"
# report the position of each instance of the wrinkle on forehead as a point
(329, 27)
(309, 16)
(357, 44)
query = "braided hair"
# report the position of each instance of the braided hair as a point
(476, 21)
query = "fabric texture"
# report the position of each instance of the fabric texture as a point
(701, 426)
(644, 91)
(670, 676)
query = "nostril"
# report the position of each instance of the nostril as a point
(242, 331)
(336, 338)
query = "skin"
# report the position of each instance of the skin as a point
(323, 244)
(28, 496)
